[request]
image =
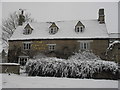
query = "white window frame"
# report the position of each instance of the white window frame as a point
(83, 43)
(51, 47)
(84, 46)
(23, 59)
(79, 27)
(53, 30)
(26, 45)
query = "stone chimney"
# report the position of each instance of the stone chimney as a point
(101, 18)
(21, 18)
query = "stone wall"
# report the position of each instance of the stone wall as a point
(63, 49)
(10, 68)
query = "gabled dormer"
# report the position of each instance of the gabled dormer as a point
(27, 29)
(79, 27)
(53, 28)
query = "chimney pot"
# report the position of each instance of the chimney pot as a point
(21, 18)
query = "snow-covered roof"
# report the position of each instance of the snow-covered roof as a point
(114, 35)
(66, 30)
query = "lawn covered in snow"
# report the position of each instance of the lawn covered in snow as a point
(74, 72)
(18, 81)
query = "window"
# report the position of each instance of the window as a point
(53, 30)
(51, 47)
(27, 45)
(84, 45)
(22, 60)
(118, 47)
(27, 31)
(79, 29)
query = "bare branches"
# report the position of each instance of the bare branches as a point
(10, 24)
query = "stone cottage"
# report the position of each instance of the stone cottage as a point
(58, 39)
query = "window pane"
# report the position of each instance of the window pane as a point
(78, 29)
(85, 46)
(51, 47)
(81, 45)
(81, 28)
(29, 46)
(26, 46)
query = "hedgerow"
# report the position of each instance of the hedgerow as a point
(81, 65)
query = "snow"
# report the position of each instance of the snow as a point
(114, 35)
(17, 81)
(9, 64)
(81, 65)
(66, 30)
(115, 42)
(25, 81)
(112, 44)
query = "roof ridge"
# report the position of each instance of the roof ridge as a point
(64, 21)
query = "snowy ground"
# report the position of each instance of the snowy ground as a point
(18, 81)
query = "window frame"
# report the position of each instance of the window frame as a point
(22, 60)
(27, 31)
(27, 45)
(51, 47)
(53, 30)
(84, 45)
(79, 29)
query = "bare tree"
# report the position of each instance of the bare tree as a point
(10, 24)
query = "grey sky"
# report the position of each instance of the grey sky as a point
(51, 11)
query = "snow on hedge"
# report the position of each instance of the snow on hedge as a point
(81, 65)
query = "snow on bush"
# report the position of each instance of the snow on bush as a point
(84, 55)
(112, 44)
(80, 65)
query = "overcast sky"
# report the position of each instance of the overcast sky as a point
(54, 11)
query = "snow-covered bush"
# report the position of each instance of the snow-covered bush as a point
(80, 65)
(84, 55)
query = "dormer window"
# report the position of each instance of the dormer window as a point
(53, 29)
(27, 29)
(79, 27)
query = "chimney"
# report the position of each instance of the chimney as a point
(21, 18)
(101, 18)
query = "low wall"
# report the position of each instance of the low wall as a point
(9, 68)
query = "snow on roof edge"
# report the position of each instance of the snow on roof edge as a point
(61, 38)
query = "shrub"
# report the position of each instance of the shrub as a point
(80, 65)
